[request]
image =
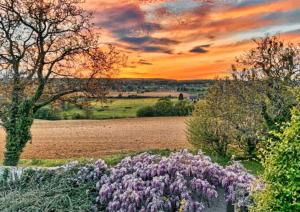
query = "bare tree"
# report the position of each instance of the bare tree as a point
(48, 51)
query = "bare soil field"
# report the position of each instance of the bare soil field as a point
(86, 138)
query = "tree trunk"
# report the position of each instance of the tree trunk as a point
(251, 148)
(17, 135)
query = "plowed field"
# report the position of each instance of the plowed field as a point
(86, 138)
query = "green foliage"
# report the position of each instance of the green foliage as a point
(147, 111)
(183, 108)
(282, 171)
(207, 131)
(240, 110)
(76, 116)
(166, 107)
(270, 71)
(46, 113)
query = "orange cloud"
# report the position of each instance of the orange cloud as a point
(199, 42)
(258, 9)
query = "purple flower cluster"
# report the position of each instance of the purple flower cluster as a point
(180, 182)
(237, 183)
(90, 172)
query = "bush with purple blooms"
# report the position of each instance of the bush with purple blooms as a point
(90, 172)
(180, 182)
(146, 182)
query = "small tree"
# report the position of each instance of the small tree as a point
(48, 51)
(210, 127)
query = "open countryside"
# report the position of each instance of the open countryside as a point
(149, 105)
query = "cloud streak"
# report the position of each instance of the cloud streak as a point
(167, 34)
(200, 49)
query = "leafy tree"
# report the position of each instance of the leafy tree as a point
(48, 52)
(209, 128)
(245, 118)
(256, 98)
(264, 81)
(271, 71)
(282, 171)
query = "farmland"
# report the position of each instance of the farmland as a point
(87, 125)
(86, 138)
(113, 108)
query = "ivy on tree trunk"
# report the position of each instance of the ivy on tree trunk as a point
(17, 133)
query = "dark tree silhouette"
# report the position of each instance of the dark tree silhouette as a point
(180, 97)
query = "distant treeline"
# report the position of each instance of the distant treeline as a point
(151, 85)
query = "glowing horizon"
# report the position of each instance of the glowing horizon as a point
(190, 39)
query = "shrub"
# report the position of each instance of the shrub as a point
(77, 116)
(88, 113)
(164, 107)
(183, 108)
(180, 182)
(177, 182)
(46, 113)
(147, 111)
(69, 188)
(282, 171)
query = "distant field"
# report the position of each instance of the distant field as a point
(114, 108)
(158, 94)
(87, 138)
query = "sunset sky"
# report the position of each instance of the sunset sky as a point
(190, 39)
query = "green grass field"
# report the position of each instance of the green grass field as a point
(114, 108)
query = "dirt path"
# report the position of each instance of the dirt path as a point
(85, 138)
